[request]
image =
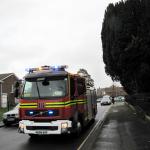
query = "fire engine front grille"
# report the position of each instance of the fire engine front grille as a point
(42, 127)
(42, 113)
(11, 115)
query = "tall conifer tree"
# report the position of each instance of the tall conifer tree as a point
(126, 44)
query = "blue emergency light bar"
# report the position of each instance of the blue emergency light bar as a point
(46, 68)
(50, 112)
(31, 112)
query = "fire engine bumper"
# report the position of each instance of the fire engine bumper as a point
(45, 128)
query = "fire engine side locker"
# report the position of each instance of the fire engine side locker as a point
(89, 104)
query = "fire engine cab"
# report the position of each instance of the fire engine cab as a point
(53, 101)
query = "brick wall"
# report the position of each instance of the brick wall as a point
(7, 88)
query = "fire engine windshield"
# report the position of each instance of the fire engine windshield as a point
(47, 88)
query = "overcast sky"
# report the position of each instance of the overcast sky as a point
(52, 32)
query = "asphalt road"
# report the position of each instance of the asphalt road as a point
(10, 139)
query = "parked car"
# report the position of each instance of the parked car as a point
(119, 99)
(11, 116)
(106, 100)
(99, 100)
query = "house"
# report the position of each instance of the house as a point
(111, 91)
(7, 81)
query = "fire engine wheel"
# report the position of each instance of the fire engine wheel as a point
(93, 120)
(78, 129)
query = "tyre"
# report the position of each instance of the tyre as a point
(33, 136)
(77, 129)
(7, 124)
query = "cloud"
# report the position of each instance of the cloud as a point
(35, 33)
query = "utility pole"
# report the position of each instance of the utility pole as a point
(113, 89)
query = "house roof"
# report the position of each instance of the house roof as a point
(6, 75)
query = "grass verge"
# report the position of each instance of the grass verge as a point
(2, 110)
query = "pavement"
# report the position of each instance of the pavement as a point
(123, 130)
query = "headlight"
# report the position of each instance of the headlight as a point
(21, 126)
(64, 125)
(4, 116)
(17, 115)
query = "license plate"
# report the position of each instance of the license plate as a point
(41, 132)
(10, 119)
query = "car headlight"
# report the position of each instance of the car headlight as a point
(4, 116)
(64, 125)
(21, 126)
(17, 115)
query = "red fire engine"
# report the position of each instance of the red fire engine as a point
(54, 101)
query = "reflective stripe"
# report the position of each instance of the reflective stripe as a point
(78, 101)
(64, 104)
(54, 104)
(49, 106)
(82, 103)
(28, 105)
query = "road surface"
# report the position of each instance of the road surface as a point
(10, 139)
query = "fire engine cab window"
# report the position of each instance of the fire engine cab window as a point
(30, 90)
(81, 86)
(49, 88)
(72, 87)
